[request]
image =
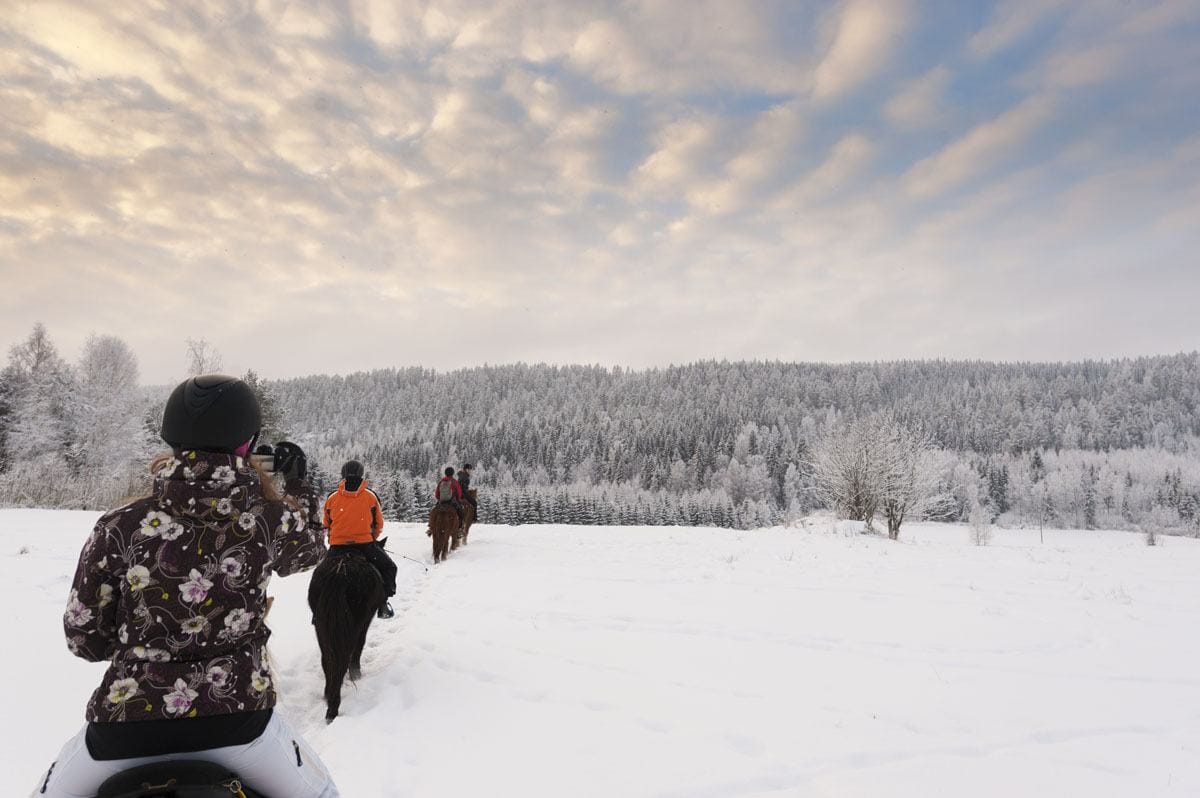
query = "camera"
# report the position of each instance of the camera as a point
(263, 457)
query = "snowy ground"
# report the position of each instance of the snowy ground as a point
(572, 661)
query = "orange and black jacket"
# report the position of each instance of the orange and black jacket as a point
(353, 516)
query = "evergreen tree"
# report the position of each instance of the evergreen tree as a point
(1037, 467)
(272, 412)
(1089, 498)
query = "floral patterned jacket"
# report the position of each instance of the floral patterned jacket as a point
(172, 589)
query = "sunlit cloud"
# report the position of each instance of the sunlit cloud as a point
(981, 149)
(327, 188)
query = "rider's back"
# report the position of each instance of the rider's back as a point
(172, 590)
(353, 516)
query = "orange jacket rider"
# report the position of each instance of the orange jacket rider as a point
(353, 516)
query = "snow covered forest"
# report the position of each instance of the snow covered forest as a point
(1113, 444)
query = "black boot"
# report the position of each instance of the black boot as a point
(386, 611)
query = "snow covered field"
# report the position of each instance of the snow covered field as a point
(575, 661)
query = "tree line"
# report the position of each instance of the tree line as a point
(1088, 444)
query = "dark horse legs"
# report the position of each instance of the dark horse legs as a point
(443, 522)
(344, 594)
(356, 658)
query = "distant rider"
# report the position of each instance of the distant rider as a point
(448, 491)
(464, 481)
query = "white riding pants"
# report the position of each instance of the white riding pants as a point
(279, 764)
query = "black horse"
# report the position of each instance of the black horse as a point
(344, 594)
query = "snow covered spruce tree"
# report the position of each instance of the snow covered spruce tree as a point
(273, 417)
(109, 443)
(38, 426)
(73, 437)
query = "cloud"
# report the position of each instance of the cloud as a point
(652, 48)
(1010, 23)
(866, 34)
(980, 149)
(582, 181)
(763, 156)
(919, 104)
(1109, 42)
(683, 151)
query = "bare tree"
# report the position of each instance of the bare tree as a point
(202, 357)
(909, 482)
(845, 469)
(879, 465)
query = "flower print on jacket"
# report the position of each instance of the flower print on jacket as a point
(237, 622)
(159, 523)
(180, 699)
(77, 613)
(217, 676)
(182, 625)
(121, 690)
(194, 625)
(196, 588)
(150, 654)
(138, 577)
(260, 682)
(224, 475)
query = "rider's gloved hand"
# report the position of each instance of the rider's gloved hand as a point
(290, 461)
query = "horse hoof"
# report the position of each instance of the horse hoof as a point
(329, 717)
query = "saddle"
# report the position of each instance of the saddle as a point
(185, 778)
(338, 553)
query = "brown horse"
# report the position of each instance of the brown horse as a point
(468, 519)
(443, 523)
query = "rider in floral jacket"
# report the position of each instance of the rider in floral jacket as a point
(171, 590)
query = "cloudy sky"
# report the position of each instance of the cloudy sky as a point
(327, 187)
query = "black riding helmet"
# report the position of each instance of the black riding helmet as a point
(449, 471)
(353, 471)
(211, 413)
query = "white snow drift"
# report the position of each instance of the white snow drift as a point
(584, 661)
